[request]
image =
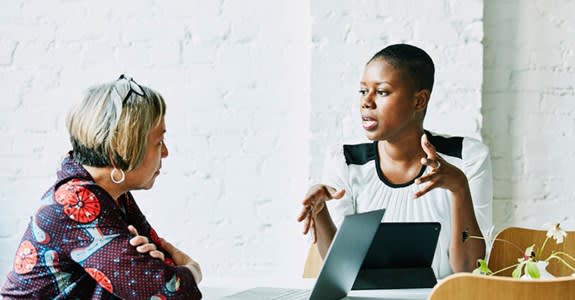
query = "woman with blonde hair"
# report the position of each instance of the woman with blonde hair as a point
(88, 238)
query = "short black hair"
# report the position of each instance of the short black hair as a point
(413, 61)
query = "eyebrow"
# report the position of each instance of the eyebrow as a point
(377, 83)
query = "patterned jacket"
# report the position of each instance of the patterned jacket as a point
(76, 247)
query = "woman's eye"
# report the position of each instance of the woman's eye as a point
(362, 92)
(382, 93)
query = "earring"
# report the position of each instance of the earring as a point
(122, 176)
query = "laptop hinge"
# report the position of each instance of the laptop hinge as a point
(394, 278)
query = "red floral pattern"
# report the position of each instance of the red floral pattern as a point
(80, 204)
(26, 258)
(101, 279)
(39, 273)
(64, 193)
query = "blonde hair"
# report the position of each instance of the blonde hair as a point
(110, 126)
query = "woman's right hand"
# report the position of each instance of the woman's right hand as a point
(143, 245)
(314, 203)
(182, 259)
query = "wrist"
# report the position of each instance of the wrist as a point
(323, 215)
(194, 267)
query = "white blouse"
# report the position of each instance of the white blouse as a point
(355, 169)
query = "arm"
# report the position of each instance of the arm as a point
(463, 256)
(315, 212)
(468, 195)
(102, 248)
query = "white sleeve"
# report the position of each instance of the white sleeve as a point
(336, 175)
(477, 168)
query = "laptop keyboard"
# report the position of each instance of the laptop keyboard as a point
(292, 294)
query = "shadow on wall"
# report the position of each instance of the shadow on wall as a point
(528, 110)
(500, 27)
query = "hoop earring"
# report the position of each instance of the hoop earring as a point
(122, 176)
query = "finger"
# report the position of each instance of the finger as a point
(314, 232)
(424, 190)
(322, 193)
(303, 214)
(333, 193)
(133, 230)
(158, 254)
(426, 178)
(432, 163)
(307, 224)
(146, 248)
(428, 147)
(316, 195)
(138, 240)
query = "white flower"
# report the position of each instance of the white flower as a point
(556, 232)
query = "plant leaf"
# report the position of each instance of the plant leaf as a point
(482, 268)
(518, 270)
(532, 269)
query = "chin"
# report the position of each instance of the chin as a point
(372, 136)
(146, 186)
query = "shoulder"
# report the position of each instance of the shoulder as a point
(79, 199)
(464, 148)
(359, 154)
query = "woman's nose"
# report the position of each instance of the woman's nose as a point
(164, 150)
(367, 101)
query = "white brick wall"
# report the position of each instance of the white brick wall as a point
(235, 76)
(345, 36)
(257, 90)
(529, 110)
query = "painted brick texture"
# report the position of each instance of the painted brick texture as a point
(235, 76)
(529, 110)
(258, 90)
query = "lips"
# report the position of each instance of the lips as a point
(368, 122)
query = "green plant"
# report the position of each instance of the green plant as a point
(527, 262)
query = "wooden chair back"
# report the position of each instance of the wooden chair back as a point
(480, 287)
(504, 254)
(313, 262)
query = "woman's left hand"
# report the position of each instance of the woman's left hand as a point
(143, 245)
(443, 174)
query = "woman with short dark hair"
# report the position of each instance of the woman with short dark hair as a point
(415, 174)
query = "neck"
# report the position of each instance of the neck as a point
(102, 178)
(404, 150)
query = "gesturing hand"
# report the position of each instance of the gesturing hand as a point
(443, 174)
(143, 245)
(314, 203)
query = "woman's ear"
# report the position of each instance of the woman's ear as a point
(422, 99)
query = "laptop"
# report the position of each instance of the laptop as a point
(340, 267)
(400, 257)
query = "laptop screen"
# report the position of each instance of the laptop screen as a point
(400, 256)
(403, 245)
